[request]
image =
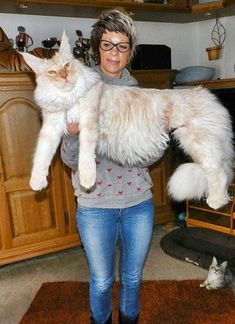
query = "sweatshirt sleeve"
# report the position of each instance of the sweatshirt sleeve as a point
(69, 151)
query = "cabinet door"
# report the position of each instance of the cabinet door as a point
(28, 216)
(160, 173)
(70, 201)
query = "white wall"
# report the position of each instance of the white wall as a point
(187, 41)
(179, 37)
(226, 64)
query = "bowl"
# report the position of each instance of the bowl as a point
(194, 74)
(49, 42)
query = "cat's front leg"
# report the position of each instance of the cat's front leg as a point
(203, 284)
(89, 129)
(87, 170)
(86, 162)
(48, 141)
(88, 139)
(210, 287)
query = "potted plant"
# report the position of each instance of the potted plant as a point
(218, 36)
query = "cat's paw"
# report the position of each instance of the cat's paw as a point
(87, 174)
(37, 183)
(217, 202)
(209, 287)
(202, 284)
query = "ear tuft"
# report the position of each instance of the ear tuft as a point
(35, 63)
(65, 49)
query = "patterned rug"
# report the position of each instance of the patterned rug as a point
(162, 302)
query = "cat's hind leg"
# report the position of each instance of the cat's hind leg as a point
(208, 154)
(203, 130)
(217, 187)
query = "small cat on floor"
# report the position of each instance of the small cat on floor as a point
(219, 276)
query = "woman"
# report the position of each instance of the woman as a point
(119, 210)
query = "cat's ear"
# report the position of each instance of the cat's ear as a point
(65, 49)
(224, 264)
(35, 63)
(214, 261)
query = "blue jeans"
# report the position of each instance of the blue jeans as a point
(100, 230)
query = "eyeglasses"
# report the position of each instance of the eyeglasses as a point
(122, 47)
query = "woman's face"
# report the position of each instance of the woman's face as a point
(112, 62)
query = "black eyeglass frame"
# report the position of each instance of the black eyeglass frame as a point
(115, 45)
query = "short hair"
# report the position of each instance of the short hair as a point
(112, 20)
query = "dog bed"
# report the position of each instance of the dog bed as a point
(199, 245)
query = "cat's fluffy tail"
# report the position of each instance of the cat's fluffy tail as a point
(188, 182)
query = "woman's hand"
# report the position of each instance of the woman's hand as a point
(73, 129)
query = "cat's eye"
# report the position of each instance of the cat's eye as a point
(67, 65)
(52, 72)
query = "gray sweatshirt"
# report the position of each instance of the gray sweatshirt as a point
(116, 186)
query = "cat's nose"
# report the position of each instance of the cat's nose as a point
(63, 74)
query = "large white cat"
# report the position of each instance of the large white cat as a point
(131, 125)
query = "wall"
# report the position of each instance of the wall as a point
(41, 27)
(225, 66)
(187, 41)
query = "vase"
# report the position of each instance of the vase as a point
(213, 52)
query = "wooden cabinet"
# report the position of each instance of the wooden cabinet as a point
(36, 223)
(160, 79)
(88, 9)
(179, 11)
(31, 223)
(160, 173)
(203, 6)
(161, 170)
(199, 213)
(214, 84)
(223, 220)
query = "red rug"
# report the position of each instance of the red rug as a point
(162, 302)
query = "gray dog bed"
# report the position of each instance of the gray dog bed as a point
(199, 245)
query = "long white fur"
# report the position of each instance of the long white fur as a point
(131, 125)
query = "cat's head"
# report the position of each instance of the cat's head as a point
(56, 73)
(216, 268)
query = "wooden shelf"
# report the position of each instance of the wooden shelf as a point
(213, 84)
(205, 7)
(222, 220)
(160, 79)
(178, 11)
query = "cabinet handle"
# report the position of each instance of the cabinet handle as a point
(66, 218)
